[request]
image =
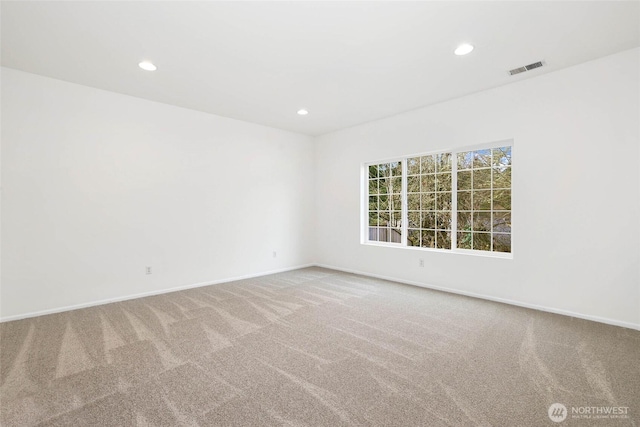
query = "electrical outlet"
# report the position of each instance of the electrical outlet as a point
(421, 263)
(275, 254)
(147, 270)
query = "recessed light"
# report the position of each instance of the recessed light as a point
(303, 112)
(463, 49)
(147, 66)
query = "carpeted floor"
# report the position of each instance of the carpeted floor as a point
(313, 347)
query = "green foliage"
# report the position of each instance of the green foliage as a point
(427, 164)
(483, 200)
(413, 166)
(465, 240)
(482, 241)
(464, 180)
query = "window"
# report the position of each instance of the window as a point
(458, 200)
(484, 200)
(429, 201)
(385, 202)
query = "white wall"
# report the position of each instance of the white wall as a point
(98, 185)
(575, 190)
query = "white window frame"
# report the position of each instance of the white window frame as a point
(364, 200)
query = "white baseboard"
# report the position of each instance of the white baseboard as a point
(490, 298)
(146, 294)
(362, 273)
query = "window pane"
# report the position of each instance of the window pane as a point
(383, 169)
(482, 178)
(396, 185)
(383, 186)
(428, 219)
(373, 218)
(373, 186)
(427, 164)
(502, 222)
(501, 242)
(383, 202)
(481, 158)
(502, 156)
(398, 171)
(464, 180)
(373, 234)
(443, 201)
(502, 177)
(391, 185)
(482, 221)
(428, 239)
(373, 203)
(383, 234)
(413, 238)
(464, 240)
(413, 201)
(396, 202)
(465, 160)
(428, 201)
(443, 220)
(373, 171)
(502, 200)
(414, 219)
(481, 200)
(443, 162)
(395, 235)
(383, 219)
(443, 239)
(396, 219)
(443, 182)
(464, 200)
(413, 166)
(413, 184)
(482, 241)
(464, 221)
(428, 183)
(395, 168)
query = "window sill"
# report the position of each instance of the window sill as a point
(486, 254)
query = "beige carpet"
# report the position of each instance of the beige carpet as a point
(313, 347)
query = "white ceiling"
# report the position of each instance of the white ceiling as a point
(346, 62)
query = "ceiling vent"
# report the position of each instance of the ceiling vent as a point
(527, 68)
